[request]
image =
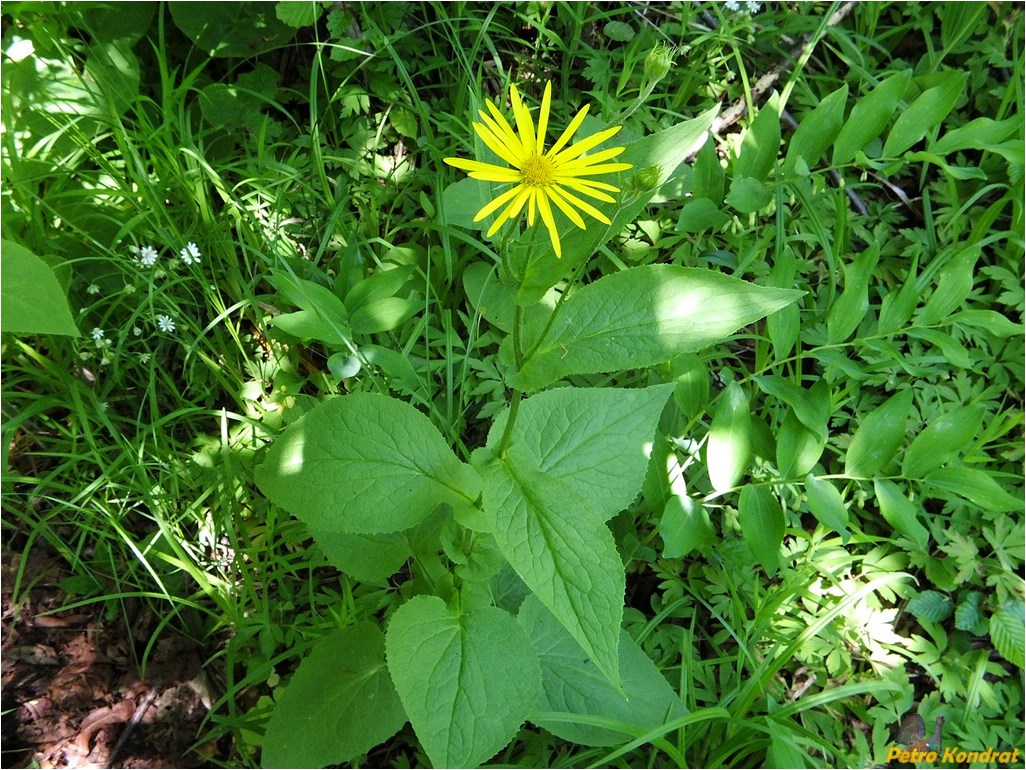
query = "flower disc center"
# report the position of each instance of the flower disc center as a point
(538, 171)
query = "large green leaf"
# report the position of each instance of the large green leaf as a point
(942, 438)
(563, 551)
(33, 300)
(975, 485)
(869, 117)
(369, 558)
(817, 131)
(572, 685)
(231, 29)
(850, 308)
(596, 440)
(928, 110)
(467, 680)
(879, 435)
(364, 463)
(575, 458)
(644, 316)
(954, 284)
(339, 704)
(760, 142)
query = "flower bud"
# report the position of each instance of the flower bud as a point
(646, 179)
(658, 63)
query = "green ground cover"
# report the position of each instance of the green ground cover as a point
(775, 498)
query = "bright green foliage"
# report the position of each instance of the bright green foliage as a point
(644, 316)
(466, 679)
(940, 440)
(976, 486)
(33, 301)
(684, 526)
(900, 514)
(931, 606)
(817, 131)
(827, 505)
(356, 705)
(728, 447)
(573, 685)
(880, 434)
(364, 463)
(365, 557)
(850, 308)
(760, 144)
(1007, 631)
(762, 523)
(862, 445)
(869, 117)
(928, 109)
(547, 502)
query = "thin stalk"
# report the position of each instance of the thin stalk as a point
(518, 355)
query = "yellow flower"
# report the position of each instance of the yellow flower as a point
(541, 177)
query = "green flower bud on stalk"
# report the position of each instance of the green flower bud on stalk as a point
(658, 64)
(646, 179)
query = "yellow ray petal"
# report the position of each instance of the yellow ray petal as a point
(504, 136)
(510, 211)
(591, 160)
(543, 117)
(586, 144)
(494, 204)
(496, 145)
(504, 175)
(587, 183)
(473, 165)
(556, 195)
(525, 126)
(587, 208)
(502, 128)
(550, 223)
(568, 134)
(580, 186)
(609, 168)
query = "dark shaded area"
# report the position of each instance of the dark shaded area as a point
(72, 691)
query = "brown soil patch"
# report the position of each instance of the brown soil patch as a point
(72, 691)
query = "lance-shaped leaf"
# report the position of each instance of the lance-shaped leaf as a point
(364, 463)
(572, 684)
(880, 434)
(467, 679)
(559, 546)
(644, 316)
(339, 704)
(575, 458)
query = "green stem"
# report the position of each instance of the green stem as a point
(518, 355)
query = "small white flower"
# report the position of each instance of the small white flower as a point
(130, 288)
(148, 256)
(190, 253)
(165, 323)
(97, 333)
(753, 7)
(732, 5)
(144, 358)
(93, 289)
